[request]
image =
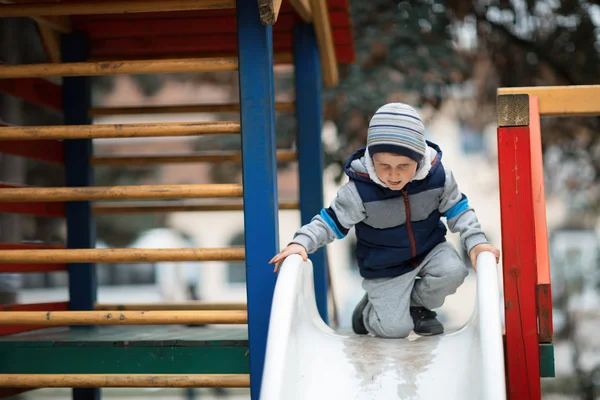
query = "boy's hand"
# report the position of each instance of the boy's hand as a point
(293, 248)
(483, 247)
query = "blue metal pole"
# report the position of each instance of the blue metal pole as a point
(81, 232)
(309, 119)
(255, 52)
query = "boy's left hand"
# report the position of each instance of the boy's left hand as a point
(483, 247)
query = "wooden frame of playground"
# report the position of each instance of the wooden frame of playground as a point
(156, 36)
(526, 265)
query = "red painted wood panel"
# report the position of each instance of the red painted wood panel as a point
(519, 272)
(31, 246)
(29, 268)
(34, 90)
(78, 21)
(155, 46)
(189, 26)
(49, 210)
(8, 330)
(54, 306)
(173, 33)
(51, 151)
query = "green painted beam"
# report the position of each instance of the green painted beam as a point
(124, 360)
(127, 350)
(547, 360)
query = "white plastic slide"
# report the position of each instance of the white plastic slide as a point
(306, 359)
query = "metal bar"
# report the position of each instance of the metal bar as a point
(282, 156)
(562, 101)
(69, 318)
(119, 67)
(118, 131)
(169, 207)
(124, 381)
(257, 99)
(85, 193)
(518, 248)
(131, 255)
(191, 305)
(42, 9)
(200, 108)
(310, 149)
(80, 223)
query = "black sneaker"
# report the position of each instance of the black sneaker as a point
(358, 324)
(426, 323)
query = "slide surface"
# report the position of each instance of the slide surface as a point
(306, 359)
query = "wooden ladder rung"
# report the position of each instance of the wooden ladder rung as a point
(124, 380)
(127, 255)
(158, 66)
(68, 318)
(91, 193)
(118, 131)
(173, 206)
(179, 109)
(189, 305)
(282, 156)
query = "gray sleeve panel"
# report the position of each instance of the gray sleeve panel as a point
(349, 210)
(460, 216)
(451, 194)
(470, 230)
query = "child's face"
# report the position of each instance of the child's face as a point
(393, 170)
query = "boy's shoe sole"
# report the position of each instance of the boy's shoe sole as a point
(430, 328)
(358, 323)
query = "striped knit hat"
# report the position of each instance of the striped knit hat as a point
(397, 128)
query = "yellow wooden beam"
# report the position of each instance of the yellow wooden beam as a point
(119, 67)
(68, 318)
(159, 129)
(110, 7)
(322, 24)
(51, 40)
(136, 192)
(562, 101)
(302, 7)
(133, 255)
(269, 11)
(32, 381)
(60, 24)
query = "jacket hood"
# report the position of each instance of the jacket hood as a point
(360, 165)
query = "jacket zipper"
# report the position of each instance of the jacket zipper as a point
(411, 236)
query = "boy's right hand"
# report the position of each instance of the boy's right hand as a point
(293, 248)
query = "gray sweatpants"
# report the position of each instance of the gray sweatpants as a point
(387, 312)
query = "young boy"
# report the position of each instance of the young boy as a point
(397, 193)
